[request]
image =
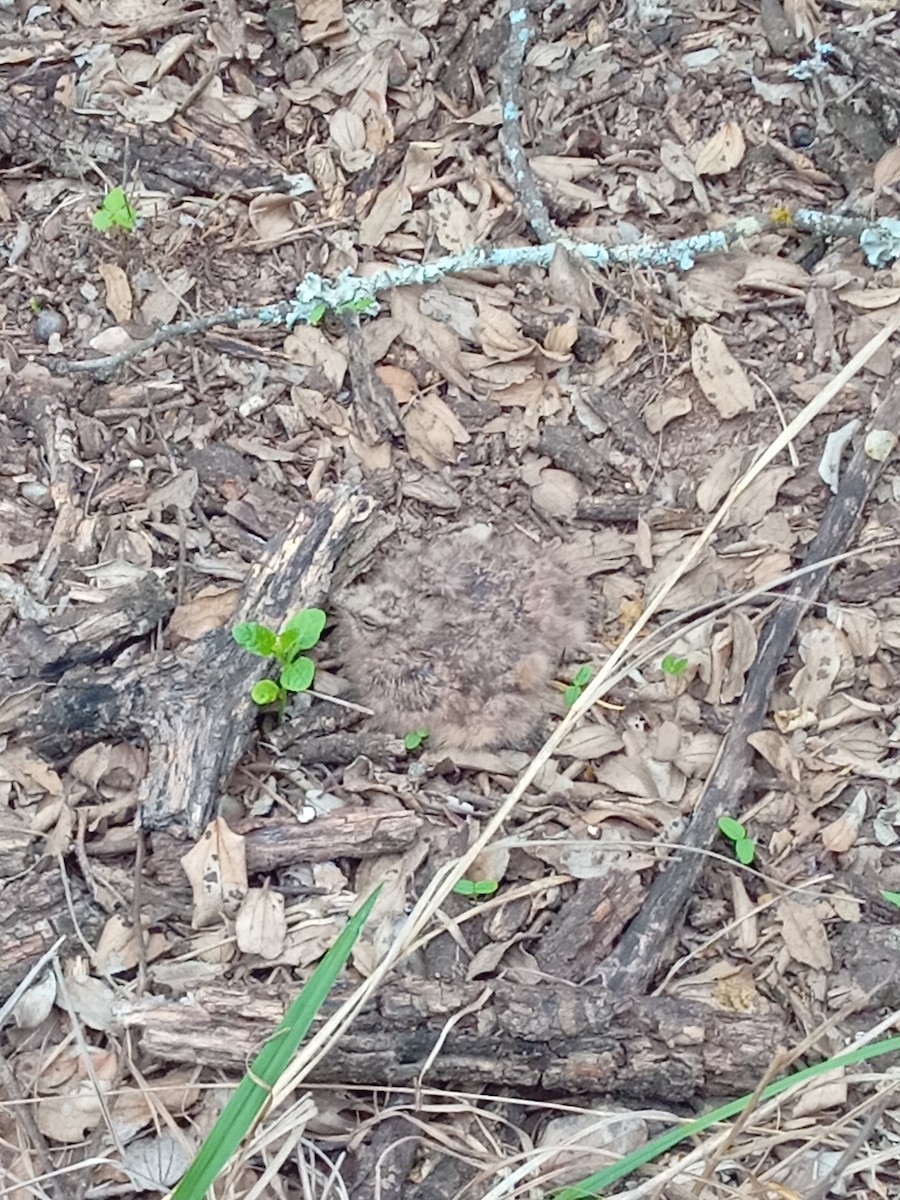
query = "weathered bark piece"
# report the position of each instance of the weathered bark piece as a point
(627, 510)
(271, 843)
(585, 929)
(33, 913)
(36, 654)
(560, 1039)
(192, 156)
(645, 947)
(376, 415)
(84, 633)
(194, 708)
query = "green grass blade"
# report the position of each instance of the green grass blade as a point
(600, 1181)
(244, 1108)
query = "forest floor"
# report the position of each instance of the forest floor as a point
(608, 410)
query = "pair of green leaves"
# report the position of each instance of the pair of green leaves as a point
(473, 888)
(577, 686)
(115, 212)
(297, 673)
(744, 846)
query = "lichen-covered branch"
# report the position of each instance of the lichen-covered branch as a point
(880, 241)
(511, 129)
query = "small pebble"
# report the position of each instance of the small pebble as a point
(47, 322)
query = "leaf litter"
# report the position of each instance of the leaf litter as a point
(359, 134)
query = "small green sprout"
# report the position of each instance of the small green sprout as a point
(360, 305)
(35, 305)
(892, 898)
(474, 888)
(114, 213)
(674, 666)
(577, 686)
(744, 847)
(301, 632)
(415, 738)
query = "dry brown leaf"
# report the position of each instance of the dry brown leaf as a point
(828, 1091)
(311, 348)
(36, 1003)
(21, 765)
(212, 608)
(720, 376)
(132, 1108)
(825, 655)
(588, 1142)
(842, 833)
(555, 168)
(119, 299)
(557, 492)
(260, 926)
(216, 868)
(433, 341)
(664, 409)
(591, 741)
(257, 448)
(722, 152)
(746, 935)
(433, 431)
(275, 216)
(394, 874)
(178, 492)
(91, 1000)
(719, 479)
(708, 291)
(452, 221)
(744, 642)
(402, 383)
(569, 281)
(500, 336)
(386, 215)
(109, 769)
(887, 169)
(118, 948)
(804, 933)
(77, 1109)
(768, 273)
(870, 298)
(164, 298)
(348, 132)
(561, 337)
(759, 498)
(776, 750)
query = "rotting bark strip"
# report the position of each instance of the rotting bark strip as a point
(646, 944)
(550, 1036)
(194, 708)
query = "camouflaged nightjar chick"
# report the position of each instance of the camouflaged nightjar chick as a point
(462, 637)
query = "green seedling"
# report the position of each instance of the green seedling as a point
(577, 686)
(892, 898)
(473, 888)
(252, 1097)
(744, 847)
(297, 672)
(671, 665)
(115, 213)
(415, 738)
(319, 311)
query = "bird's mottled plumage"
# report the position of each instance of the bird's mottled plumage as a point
(461, 637)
